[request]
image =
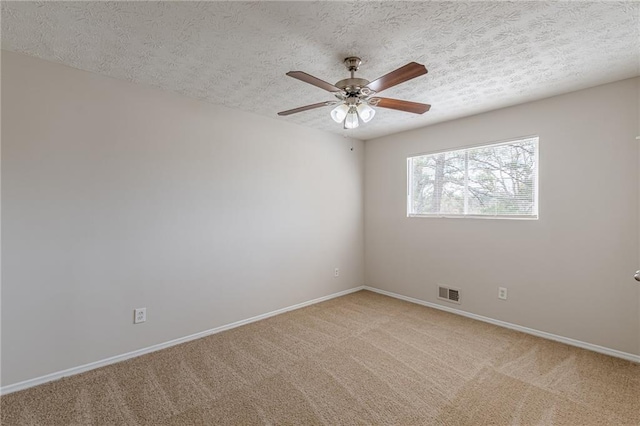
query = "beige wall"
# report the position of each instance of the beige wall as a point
(568, 273)
(117, 196)
(638, 143)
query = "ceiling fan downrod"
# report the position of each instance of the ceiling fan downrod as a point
(353, 86)
(352, 63)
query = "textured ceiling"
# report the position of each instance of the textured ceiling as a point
(480, 55)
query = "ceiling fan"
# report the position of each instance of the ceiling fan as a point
(356, 96)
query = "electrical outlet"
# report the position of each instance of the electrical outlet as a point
(139, 315)
(336, 272)
(502, 293)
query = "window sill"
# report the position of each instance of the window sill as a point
(470, 216)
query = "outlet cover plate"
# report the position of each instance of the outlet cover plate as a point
(502, 293)
(139, 315)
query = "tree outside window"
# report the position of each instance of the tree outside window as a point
(497, 180)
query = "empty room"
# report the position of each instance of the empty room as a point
(320, 213)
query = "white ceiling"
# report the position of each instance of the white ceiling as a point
(480, 55)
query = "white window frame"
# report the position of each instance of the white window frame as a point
(534, 216)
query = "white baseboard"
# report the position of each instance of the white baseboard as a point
(543, 334)
(97, 364)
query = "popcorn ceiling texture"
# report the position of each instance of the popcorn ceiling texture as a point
(480, 55)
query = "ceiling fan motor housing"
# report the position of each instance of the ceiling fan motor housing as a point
(353, 86)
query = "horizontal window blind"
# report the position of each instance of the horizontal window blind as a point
(498, 180)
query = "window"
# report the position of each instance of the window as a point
(496, 181)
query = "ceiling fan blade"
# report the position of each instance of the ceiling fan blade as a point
(307, 107)
(414, 107)
(402, 74)
(308, 78)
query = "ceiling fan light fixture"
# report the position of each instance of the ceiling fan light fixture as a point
(351, 122)
(365, 112)
(339, 113)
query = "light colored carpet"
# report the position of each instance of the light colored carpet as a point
(359, 359)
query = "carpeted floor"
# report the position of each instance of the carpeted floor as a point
(359, 359)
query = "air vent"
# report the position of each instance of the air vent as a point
(449, 294)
